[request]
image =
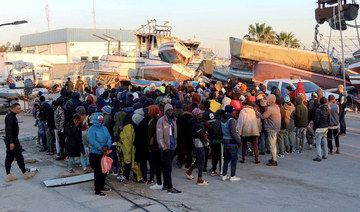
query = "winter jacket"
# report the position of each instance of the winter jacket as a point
(118, 118)
(73, 142)
(334, 114)
(99, 136)
(283, 115)
(138, 116)
(299, 90)
(163, 127)
(216, 131)
(48, 115)
(322, 117)
(289, 120)
(152, 133)
(59, 116)
(184, 126)
(301, 113)
(198, 132)
(228, 127)
(214, 105)
(247, 124)
(75, 98)
(141, 140)
(271, 115)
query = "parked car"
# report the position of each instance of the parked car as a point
(309, 87)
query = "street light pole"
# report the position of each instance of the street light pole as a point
(14, 23)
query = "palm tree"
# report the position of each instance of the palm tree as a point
(261, 33)
(287, 40)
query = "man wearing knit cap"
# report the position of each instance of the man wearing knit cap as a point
(200, 140)
(231, 141)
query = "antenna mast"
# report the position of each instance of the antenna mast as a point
(47, 14)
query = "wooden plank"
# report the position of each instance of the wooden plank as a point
(69, 180)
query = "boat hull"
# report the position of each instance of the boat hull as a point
(268, 70)
(355, 67)
(147, 83)
(296, 58)
(167, 72)
(174, 52)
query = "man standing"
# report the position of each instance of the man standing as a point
(79, 85)
(13, 147)
(69, 85)
(321, 125)
(342, 113)
(272, 124)
(166, 135)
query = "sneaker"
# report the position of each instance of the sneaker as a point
(261, 153)
(234, 179)
(43, 150)
(257, 162)
(281, 156)
(242, 161)
(87, 171)
(10, 178)
(338, 151)
(317, 159)
(224, 178)
(173, 191)
(310, 147)
(27, 175)
(330, 152)
(213, 173)
(71, 171)
(301, 151)
(100, 194)
(156, 187)
(141, 181)
(343, 134)
(106, 189)
(324, 157)
(59, 158)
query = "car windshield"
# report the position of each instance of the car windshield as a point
(309, 87)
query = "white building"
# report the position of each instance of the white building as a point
(79, 45)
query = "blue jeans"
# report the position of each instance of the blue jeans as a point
(321, 138)
(263, 142)
(230, 154)
(82, 161)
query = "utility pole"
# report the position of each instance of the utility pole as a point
(47, 14)
(94, 18)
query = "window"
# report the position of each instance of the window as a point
(84, 58)
(271, 84)
(95, 59)
(284, 86)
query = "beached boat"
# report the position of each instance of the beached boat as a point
(355, 66)
(269, 70)
(147, 83)
(243, 75)
(167, 72)
(175, 52)
(296, 58)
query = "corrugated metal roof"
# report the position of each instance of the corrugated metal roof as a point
(75, 35)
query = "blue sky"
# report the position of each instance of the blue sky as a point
(211, 22)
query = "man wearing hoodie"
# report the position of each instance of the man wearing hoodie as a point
(248, 127)
(298, 91)
(272, 125)
(200, 140)
(321, 125)
(231, 141)
(281, 133)
(100, 141)
(166, 134)
(290, 125)
(301, 122)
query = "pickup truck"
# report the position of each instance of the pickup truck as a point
(309, 86)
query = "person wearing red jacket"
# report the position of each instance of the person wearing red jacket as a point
(298, 91)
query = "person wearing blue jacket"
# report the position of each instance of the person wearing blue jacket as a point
(100, 141)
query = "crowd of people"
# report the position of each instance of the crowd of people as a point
(146, 127)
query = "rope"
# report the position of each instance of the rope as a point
(357, 31)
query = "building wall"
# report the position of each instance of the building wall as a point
(35, 59)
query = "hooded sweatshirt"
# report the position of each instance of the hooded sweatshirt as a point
(166, 128)
(99, 136)
(248, 124)
(298, 91)
(228, 126)
(301, 113)
(289, 120)
(322, 117)
(271, 115)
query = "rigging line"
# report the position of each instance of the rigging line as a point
(357, 31)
